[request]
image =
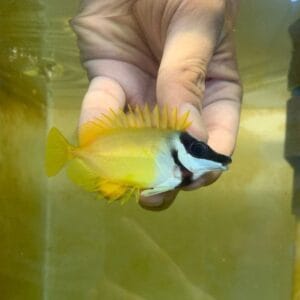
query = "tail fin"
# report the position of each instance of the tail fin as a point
(58, 151)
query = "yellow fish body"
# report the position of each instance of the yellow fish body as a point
(123, 154)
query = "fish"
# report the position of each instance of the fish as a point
(122, 155)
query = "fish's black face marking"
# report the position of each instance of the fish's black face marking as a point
(186, 175)
(199, 149)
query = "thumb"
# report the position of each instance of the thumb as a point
(189, 45)
(103, 94)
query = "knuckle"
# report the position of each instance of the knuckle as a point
(212, 6)
(79, 23)
(190, 69)
(190, 74)
(216, 7)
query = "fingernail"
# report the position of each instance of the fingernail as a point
(153, 201)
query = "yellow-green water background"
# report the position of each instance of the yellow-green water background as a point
(230, 241)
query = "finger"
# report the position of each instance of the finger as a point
(222, 122)
(220, 114)
(221, 105)
(222, 99)
(158, 202)
(103, 94)
(188, 49)
(204, 180)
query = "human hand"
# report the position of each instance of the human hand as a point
(170, 52)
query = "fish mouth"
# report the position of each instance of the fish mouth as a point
(201, 150)
(186, 175)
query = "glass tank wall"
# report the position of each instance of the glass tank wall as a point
(232, 240)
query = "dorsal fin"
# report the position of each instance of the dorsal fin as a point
(135, 118)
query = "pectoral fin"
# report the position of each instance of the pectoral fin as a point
(111, 190)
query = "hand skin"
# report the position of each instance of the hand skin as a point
(169, 52)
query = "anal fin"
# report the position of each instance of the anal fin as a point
(83, 176)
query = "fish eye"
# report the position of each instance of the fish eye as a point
(198, 149)
(194, 147)
(201, 150)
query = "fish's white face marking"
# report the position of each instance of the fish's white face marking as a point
(197, 166)
(168, 174)
(168, 185)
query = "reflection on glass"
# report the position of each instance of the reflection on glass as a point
(292, 142)
(230, 241)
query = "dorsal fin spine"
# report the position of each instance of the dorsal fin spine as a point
(174, 118)
(155, 116)
(147, 116)
(164, 123)
(139, 116)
